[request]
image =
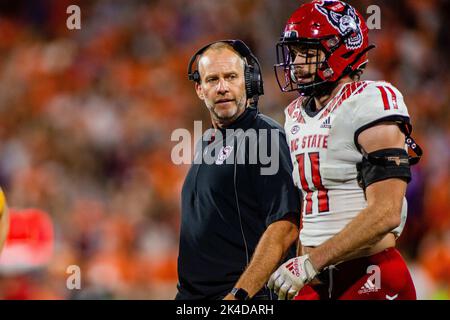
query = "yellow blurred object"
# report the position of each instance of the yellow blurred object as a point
(4, 220)
(2, 202)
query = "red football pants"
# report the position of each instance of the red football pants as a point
(383, 276)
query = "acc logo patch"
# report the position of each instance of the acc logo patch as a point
(290, 34)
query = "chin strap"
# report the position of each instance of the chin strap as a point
(348, 69)
(325, 86)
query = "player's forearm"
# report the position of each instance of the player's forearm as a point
(369, 227)
(263, 263)
(271, 249)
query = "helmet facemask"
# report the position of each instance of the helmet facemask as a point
(292, 76)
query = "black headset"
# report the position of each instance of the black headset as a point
(252, 72)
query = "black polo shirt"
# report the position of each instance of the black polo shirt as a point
(216, 236)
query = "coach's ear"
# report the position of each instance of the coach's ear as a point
(199, 90)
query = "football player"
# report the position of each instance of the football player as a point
(348, 141)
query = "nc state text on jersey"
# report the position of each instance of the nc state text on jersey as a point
(310, 141)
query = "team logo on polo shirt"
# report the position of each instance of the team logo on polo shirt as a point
(224, 153)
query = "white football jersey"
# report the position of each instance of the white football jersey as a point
(324, 154)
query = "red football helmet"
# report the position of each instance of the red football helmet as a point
(333, 27)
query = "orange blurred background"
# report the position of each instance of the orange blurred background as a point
(86, 117)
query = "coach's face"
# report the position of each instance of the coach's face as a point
(222, 85)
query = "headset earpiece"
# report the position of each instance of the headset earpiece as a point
(253, 81)
(195, 76)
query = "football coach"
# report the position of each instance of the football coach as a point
(239, 217)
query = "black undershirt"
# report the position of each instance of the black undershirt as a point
(310, 107)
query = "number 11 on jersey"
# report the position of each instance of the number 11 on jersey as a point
(317, 188)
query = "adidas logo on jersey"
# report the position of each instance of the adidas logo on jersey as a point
(368, 287)
(326, 123)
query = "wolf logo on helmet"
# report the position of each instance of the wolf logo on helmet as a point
(344, 19)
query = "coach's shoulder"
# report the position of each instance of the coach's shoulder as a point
(265, 122)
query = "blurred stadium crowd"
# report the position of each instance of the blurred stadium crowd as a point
(86, 118)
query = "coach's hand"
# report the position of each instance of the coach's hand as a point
(291, 276)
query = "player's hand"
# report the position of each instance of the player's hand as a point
(291, 276)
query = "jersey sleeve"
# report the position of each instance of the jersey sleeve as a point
(378, 102)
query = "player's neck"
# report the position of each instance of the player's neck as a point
(323, 100)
